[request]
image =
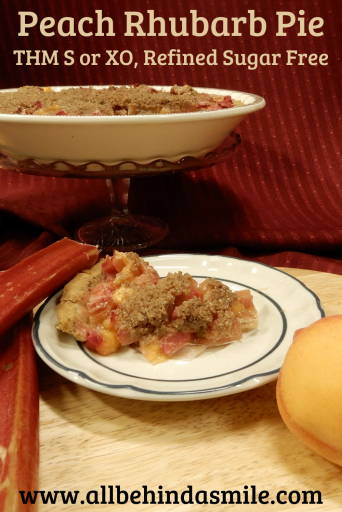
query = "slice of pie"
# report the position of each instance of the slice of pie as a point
(121, 301)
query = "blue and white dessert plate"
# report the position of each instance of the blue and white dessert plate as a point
(284, 305)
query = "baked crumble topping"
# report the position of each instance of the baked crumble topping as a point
(144, 310)
(193, 315)
(217, 295)
(110, 101)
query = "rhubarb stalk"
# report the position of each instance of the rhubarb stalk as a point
(19, 417)
(25, 285)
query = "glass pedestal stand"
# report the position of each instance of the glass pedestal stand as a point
(121, 230)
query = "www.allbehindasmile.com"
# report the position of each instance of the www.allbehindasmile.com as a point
(115, 495)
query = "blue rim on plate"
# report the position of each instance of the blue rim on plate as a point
(284, 305)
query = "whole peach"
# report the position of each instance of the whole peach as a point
(309, 387)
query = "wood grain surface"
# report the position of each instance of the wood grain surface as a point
(89, 440)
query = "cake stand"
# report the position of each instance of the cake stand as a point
(122, 230)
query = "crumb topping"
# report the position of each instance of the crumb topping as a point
(217, 295)
(144, 310)
(193, 316)
(224, 321)
(109, 101)
(176, 284)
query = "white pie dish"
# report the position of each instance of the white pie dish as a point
(115, 139)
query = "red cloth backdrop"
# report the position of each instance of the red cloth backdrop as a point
(278, 200)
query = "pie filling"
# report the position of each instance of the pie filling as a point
(110, 101)
(122, 301)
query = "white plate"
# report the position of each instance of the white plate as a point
(283, 303)
(111, 140)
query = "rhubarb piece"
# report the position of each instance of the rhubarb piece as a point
(245, 311)
(25, 285)
(19, 417)
(173, 342)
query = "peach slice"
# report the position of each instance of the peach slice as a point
(309, 387)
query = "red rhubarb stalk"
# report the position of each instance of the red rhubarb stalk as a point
(25, 285)
(19, 417)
